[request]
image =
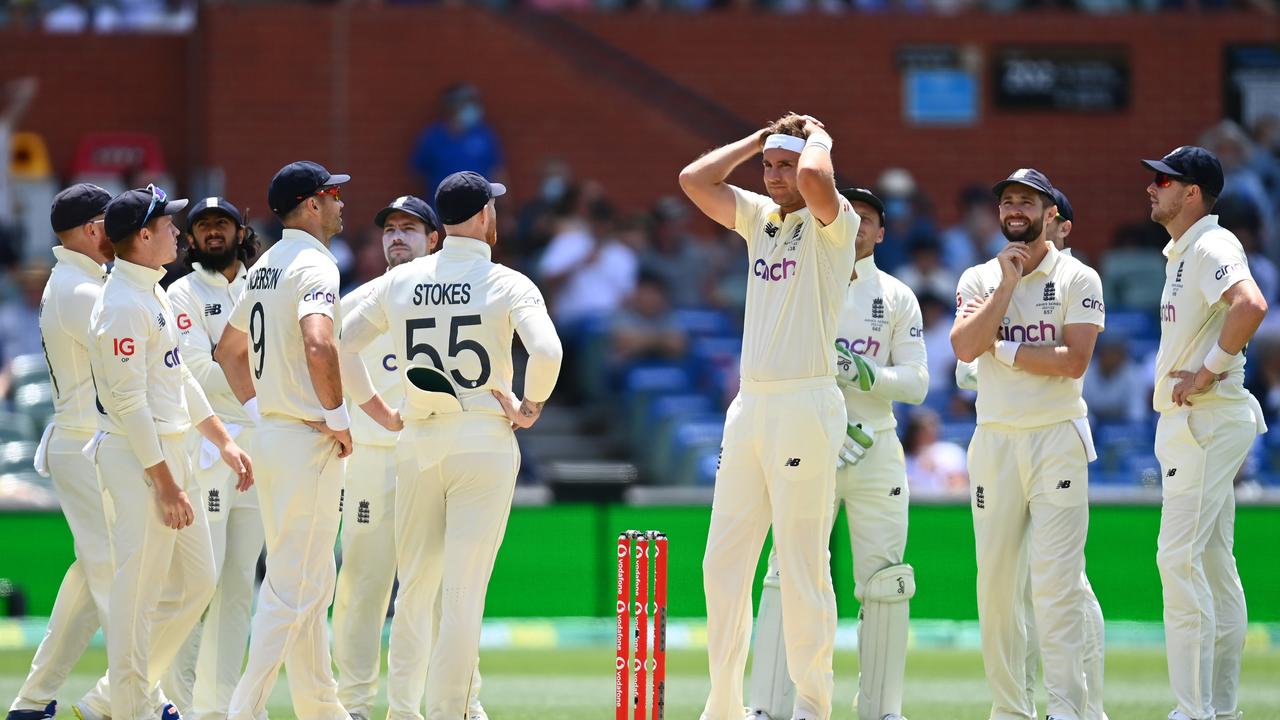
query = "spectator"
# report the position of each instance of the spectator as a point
(586, 270)
(1115, 387)
(925, 273)
(1241, 176)
(460, 140)
(536, 221)
(15, 99)
(728, 278)
(977, 236)
(1133, 267)
(20, 322)
(907, 216)
(678, 256)
(1239, 215)
(935, 468)
(647, 330)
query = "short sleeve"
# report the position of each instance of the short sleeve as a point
(749, 209)
(240, 314)
(526, 300)
(317, 289)
(1084, 299)
(969, 288)
(1223, 264)
(843, 229)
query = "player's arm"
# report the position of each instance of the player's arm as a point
(540, 339)
(210, 426)
(816, 176)
(1246, 309)
(317, 298)
(359, 328)
(703, 180)
(122, 343)
(1084, 319)
(907, 379)
(974, 334)
(196, 344)
(232, 355)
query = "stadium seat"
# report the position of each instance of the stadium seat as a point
(16, 456)
(36, 401)
(28, 369)
(701, 321)
(693, 440)
(651, 440)
(1134, 324)
(15, 426)
(642, 382)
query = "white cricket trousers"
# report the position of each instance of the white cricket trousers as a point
(1200, 451)
(164, 577)
(367, 574)
(1095, 646)
(777, 466)
(299, 478)
(457, 475)
(1030, 502)
(81, 606)
(207, 669)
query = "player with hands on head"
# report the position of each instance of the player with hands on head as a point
(784, 430)
(452, 316)
(880, 360)
(1209, 310)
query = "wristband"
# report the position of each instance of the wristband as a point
(251, 409)
(1218, 360)
(1006, 351)
(338, 418)
(821, 140)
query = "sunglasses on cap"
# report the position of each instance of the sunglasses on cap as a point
(1164, 180)
(157, 196)
(333, 190)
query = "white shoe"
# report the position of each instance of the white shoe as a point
(757, 715)
(892, 716)
(1178, 715)
(477, 714)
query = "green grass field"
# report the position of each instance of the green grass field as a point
(578, 684)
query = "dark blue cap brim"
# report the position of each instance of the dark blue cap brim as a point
(1161, 166)
(999, 187)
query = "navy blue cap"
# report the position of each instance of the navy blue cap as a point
(296, 182)
(1192, 165)
(131, 210)
(1030, 177)
(213, 205)
(1064, 205)
(77, 205)
(866, 196)
(414, 206)
(463, 194)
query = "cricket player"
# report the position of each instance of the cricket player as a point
(1209, 310)
(147, 403)
(287, 313)
(1028, 458)
(74, 286)
(881, 360)
(785, 428)
(452, 316)
(1058, 231)
(221, 248)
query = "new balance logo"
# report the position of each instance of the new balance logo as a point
(1064, 484)
(770, 229)
(1172, 472)
(792, 462)
(877, 309)
(1050, 292)
(215, 501)
(895, 492)
(160, 319)
(795, 234)
(362, 513)
(980, 498)
(213, 309)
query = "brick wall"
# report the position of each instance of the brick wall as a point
(351, 88)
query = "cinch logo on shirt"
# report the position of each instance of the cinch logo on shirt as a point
(1092, 304)
(184, 321)
(389, 363)
(861, 346)
(1225, 270)
(776, 271)
(171, 359)
(1040, 332)
(1168, 313)
(317, 296)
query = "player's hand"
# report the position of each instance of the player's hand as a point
(342, 437)
(856, 444)
(1012, 259)
(856, 370)
(382, 413)
(523, 417)
(812, 125)
(240, 463)
(972, 306)
(175, 508)
(1193, 384)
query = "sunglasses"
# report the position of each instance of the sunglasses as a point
(157, 196)
(333, 191)
(1164, 180)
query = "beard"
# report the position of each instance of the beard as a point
(213, 262)
(1162, 214)
(1027, 234)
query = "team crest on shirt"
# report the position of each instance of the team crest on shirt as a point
(1049, 302)
(795, 237)
(1177, 280)
(875, 319)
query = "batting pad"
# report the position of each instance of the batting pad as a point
(882, 641)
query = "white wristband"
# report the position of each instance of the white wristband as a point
(338, 418)
(821, 140)
(251, 409)
(1006, 351)
(1218, 360)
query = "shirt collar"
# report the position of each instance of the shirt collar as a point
(306, 238)
(139, 275)
(1049, 261)
(217, 279)
(865, 268)
(80, 260)
(467, 247)
(1179, 245)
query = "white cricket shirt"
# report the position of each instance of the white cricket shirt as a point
(379, 357)
(68, 300)
(202, 302)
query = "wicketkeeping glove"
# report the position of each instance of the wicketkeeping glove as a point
(856, 444)
(854, 369)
